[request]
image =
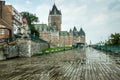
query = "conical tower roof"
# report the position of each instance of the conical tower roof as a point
(74, 29)
(70, 30)
(75, 32)
(81, 32)
(55, 11)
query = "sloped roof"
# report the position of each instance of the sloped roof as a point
(42, 27)
(74, 29)
(70, 30)
(55, 11)
(35, 38)
(53, 28)
(75, 32)
(63, 33)
(81, 32)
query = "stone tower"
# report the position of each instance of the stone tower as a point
(55, 18)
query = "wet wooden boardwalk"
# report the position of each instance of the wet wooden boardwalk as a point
(85, 64)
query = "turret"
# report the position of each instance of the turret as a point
(54, 18)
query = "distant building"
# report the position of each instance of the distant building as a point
(9, 18)
(48, 33)
(55, 18)
(52, 32)
(17, 20)
(5, 20)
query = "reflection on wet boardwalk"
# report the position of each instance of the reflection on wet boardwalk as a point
(77, 64)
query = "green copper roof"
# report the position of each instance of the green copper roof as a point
(42, 27)
(63, 33)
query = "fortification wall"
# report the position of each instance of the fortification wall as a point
(22, 48)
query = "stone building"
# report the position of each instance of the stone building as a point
(52, 32)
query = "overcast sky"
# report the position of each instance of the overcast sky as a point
(98, 18)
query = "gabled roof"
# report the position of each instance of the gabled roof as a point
(55, 11)
(81, 32)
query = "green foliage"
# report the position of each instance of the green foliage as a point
(57, 49)
(52, 50)
(31, 18)
(114, 40)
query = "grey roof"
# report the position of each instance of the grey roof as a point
(55, 11)
(75, 32)
(70, 31)
(81, 32)
(74, 29)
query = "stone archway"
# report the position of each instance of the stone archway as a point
(10, 31)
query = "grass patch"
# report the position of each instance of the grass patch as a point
(56, 49)
(52, 50)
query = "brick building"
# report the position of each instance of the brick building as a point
(48, 33)
(53, 34)
(55, 18)
(9, 18)
(5, 19)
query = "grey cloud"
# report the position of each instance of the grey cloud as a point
(114, 6)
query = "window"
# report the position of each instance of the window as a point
(1, 31)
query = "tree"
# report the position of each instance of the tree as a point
(31, 18)
(114, 39)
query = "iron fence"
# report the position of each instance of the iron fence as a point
(108, 48)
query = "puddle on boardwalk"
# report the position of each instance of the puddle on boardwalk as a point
(77, 64)
(94, 56)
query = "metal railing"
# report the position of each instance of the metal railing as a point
(35, 38)
(108, 48)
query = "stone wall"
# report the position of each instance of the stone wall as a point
(22, 48)
(28, 47)
(2, 57)
(9, 51)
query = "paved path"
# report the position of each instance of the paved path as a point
(77, 64)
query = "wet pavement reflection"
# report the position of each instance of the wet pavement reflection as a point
(76, 64)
